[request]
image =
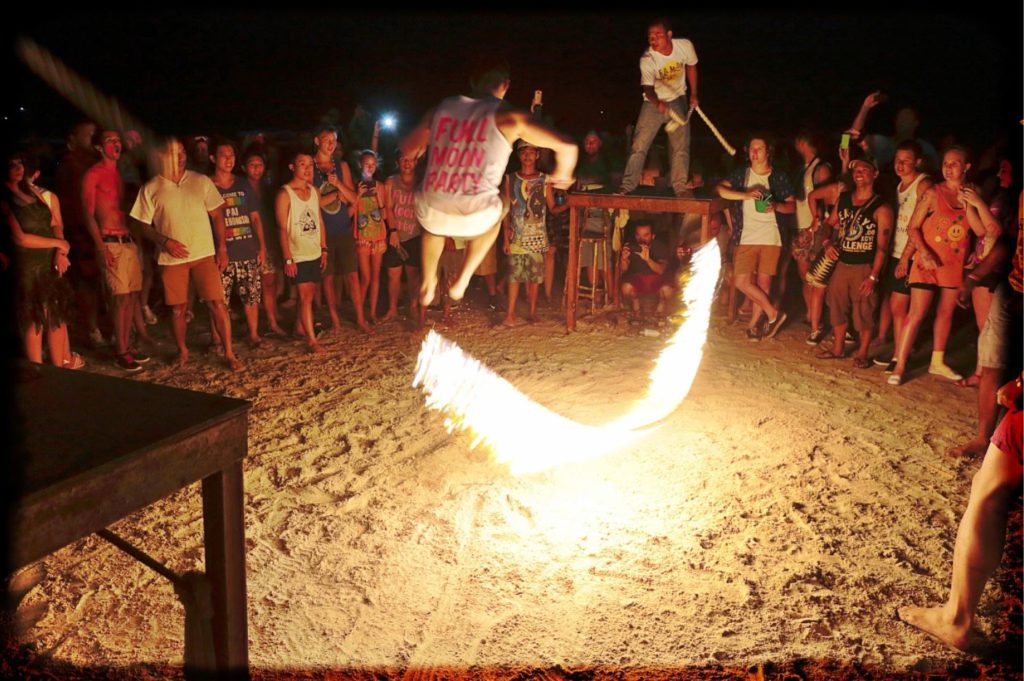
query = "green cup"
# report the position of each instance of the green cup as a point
(761, 205)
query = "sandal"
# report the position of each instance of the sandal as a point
(968, 382)
(76, 362)
(828, 354)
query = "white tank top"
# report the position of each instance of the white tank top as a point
(803, 211)
(303, 226)
(907, 203)
(466, 159)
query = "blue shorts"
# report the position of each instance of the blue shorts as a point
(308, 272)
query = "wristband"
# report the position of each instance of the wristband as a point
(872, 277)
(289, 261)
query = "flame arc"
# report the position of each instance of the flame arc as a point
(496, 413)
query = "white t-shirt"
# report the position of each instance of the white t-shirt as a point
(667, 72)
(759, 229)
(181, 212)
(466, 160)
(803, 210)
(907, 200)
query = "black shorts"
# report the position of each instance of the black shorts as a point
(392, 258)
(891, 283)
(308, 272)
(934, 288)
(341, 255)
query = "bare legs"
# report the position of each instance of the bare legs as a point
(757, 292)
(979, 546)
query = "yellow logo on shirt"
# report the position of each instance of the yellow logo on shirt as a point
(671, 72)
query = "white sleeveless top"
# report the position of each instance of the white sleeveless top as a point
(803, 211)
(303, 226)
(907, 201)
(460, 194)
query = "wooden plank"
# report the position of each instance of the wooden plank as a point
(55, 516)
(74, 423)
(653, 204)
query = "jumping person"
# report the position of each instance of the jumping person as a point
(470, 141)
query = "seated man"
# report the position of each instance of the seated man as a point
(644, 264)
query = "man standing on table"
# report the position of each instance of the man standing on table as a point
(470, 141)
(665, 69)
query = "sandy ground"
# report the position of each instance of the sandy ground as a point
(782, 513)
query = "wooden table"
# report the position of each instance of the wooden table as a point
(699, 204)
(96, 448)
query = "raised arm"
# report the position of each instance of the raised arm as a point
(870, 102)
(416, 141)
(515, 124)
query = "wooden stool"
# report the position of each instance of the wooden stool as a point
(595, 288)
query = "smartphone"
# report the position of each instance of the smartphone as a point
(844, 141)
(537, 97)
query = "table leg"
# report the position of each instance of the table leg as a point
(224, 537)
(572, 273)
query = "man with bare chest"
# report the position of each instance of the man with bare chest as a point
(117, 254)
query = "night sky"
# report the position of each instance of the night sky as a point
(187, 71)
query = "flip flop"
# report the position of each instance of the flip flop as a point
(76, 361)
(968, 382)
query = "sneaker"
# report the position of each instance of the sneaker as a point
(128, 364)
(944, 371)
(754, 334)
(849, 339)
(884, 361)
(815, 337)
(139, 356)
(97, 339)
(148, 316)
(774, 326)
(890, 367)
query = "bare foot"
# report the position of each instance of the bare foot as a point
(367, 329)
(458, 289)
(277, 331)
(181, 359)
(315, 348)
(234, 363)
(531, 319)
(508, 323)
(427, 291)
(972, 448)
(932, 622)
(391, 314)
(255, 342)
